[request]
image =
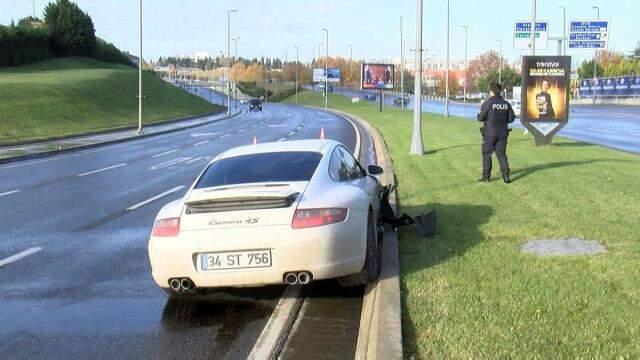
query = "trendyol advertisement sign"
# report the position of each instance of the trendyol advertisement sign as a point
(545, 95)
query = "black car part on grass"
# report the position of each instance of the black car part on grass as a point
(426, 222)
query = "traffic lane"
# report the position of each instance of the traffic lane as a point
(70, 202)
(32, 173)
(104, 265)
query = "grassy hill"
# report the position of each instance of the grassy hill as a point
(67, 96)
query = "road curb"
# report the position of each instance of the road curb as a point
(109, 142)
(380, 334)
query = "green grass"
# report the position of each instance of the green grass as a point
(470, 292)
(68, 96)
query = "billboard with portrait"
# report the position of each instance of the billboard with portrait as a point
(333, 75)
(545, 88)
(376, 76)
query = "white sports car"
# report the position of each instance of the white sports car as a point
(274, 213)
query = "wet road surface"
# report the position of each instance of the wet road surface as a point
(84, 289)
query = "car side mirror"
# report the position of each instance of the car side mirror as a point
(374, 170)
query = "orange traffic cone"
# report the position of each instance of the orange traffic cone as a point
(322, 133)
(255, 140)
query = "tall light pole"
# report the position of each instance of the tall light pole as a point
(446, 77)
(229, 60)
(326, 69)
(235, 42)
(533, 28)
(33, 2)
(297, 64)
(564, 29)
(401, 67)
(464, 86)
(350, 62)
(264, 60)
(417, 147)
(595, 60)
(140, 77)
(500, 68)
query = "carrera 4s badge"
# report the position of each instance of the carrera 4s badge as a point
(248, 221)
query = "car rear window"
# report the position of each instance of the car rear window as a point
(264, 167)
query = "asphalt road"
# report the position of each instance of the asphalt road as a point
(84, 290)
(616, 127)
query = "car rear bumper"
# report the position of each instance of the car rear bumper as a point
(326, 251)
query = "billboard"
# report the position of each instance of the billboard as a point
(613, 86)
(589, 34)
(319, 75)
(522, 35)
(376, 76)
(545, 88)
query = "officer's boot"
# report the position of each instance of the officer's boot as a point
(485, 178)
(506, 178)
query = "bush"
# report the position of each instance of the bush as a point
(107, 52)
(22, 45)
(281, 95)
(72, 31)
(250, 88)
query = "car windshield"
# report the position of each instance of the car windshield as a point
(254, 101)
(264, 167)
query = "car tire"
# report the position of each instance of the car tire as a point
(372, 262)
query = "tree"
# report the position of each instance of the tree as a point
(72, 31)
(454, 85)
(29, 22)
(510, 78)
(636, 52)
(480, 66)
(585, 71)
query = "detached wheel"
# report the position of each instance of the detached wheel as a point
(373, 260)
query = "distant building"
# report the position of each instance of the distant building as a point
(434, 69)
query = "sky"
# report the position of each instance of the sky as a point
(372, 27)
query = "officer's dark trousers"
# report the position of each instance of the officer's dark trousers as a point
(499, 145)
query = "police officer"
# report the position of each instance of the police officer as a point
(495, 113)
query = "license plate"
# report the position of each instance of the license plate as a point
(235, 260)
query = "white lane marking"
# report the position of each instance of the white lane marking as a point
(19, 256)
(201, 143)
(635, 134)
(103, 169)
(9, 192)
(291, 133)
(298, 128)
(254, 125)
(282, 139)
(33, 162)
(150, 200)
(203, 134)
(165, 153)
(169, 163)
(224, 136)
(241, 131)
(275, 126)
(197, 159)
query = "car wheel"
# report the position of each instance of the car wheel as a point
(372, 262)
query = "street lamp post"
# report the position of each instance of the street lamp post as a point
(464, 86)
(351, 63)
(533, 28)
(235, 42)
(417, 148)
(229, 60)
(500, 68)
(326, 69)
(401, 67)
(595, 60)
(446, 93)
(564, 29)
(297, 65)
(140, 77)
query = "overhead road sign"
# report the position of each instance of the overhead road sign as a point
(589, 34)
(522, 35)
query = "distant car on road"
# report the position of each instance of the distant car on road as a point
(400, 100)
(320, 87)
(515, 104)
(369, 97)
(243, 101)
(273, 213)
(255, 104)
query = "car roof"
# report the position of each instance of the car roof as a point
(321, 146)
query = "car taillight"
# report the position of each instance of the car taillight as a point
(306, 218)
(166, 227)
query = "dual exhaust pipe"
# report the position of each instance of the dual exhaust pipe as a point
(182, 285)
(294, 278)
